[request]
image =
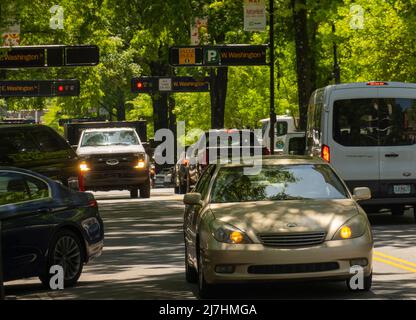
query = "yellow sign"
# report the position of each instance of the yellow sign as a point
(187, 56)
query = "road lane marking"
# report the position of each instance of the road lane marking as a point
(394, 264)
(383, 255)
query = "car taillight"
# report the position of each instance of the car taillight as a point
(205, 159)
(81, 184)
(326, 153)
(93, 203)
(266, 151)
(377, 83)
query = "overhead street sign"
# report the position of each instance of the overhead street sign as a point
(186, 56)
(212, 56)
(169, 84)
(235, 55)
(39, 88)
(48, 56)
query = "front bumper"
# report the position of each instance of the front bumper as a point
(244, 256)
(115, 180)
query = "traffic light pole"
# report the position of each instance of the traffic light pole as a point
(271, 44)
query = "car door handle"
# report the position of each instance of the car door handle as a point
(43, 211)
(391, 155)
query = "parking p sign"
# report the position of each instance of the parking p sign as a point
(212, 56)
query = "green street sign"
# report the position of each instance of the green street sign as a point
(221, 55)
(211, 56)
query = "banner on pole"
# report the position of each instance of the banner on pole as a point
(10, 36)
(254, 15)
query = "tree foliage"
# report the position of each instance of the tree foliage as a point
(134, 37)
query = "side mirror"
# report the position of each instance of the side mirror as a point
(362, 193)
(193, 199)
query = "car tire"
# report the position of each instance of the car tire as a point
(182, 188)
(191, 275)
(66, 249)
(397, 211)
(368, 281)
(205, 290)
(134, 193)
(145, 190)
(414, 212)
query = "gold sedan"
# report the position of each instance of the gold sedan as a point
(293, 219)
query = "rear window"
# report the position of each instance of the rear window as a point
(48, 140)
(16, 141)
(375, 122)
(277, 182)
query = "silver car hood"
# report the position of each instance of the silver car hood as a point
(287, 216)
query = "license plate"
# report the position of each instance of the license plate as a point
(402, 189)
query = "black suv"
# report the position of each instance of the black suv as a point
(40, 149)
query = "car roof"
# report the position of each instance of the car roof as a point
(357, 85)
(19, 126)
(108, 129)
(278, 160)
(8, 168)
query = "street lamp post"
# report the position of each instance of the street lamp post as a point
(271, 45)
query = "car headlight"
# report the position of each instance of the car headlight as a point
(83, 167)
(226, 233)
(353, 228)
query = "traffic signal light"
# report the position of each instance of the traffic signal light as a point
(143, 85)
(66, 88)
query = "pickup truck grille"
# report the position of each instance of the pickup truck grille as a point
(112, 162)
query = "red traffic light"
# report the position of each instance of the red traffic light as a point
(67, 87)
(143, 84)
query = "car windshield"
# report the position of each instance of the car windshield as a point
(277, 182)
(107, 138)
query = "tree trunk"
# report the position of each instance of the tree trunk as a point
(303, 62)
(219, 82)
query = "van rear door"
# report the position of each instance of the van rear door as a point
(353, 137)
(397, 134)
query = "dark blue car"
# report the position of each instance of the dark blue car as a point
(45, 224)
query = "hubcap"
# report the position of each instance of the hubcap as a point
(68, 255)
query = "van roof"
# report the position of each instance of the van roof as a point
(278, 117)
(373, 84)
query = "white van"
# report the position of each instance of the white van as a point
(284, 125)
(367, 131)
